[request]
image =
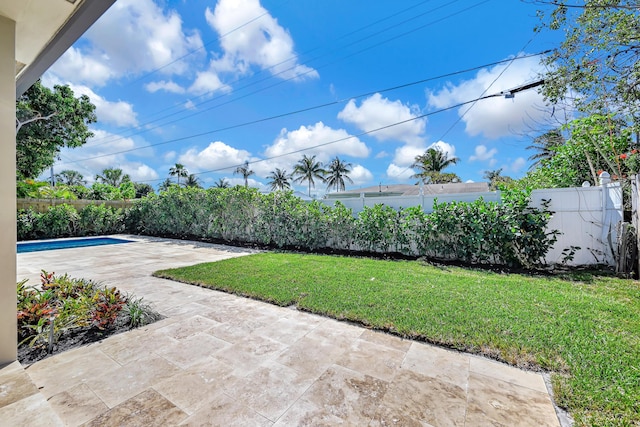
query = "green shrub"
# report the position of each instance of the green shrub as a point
(509, 233)
(66, 221)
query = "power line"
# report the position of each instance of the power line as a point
(303, 109)
(301, 150)
(143, 129)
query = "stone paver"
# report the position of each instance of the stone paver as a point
(219, 359)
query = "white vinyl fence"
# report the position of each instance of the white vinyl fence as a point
(587, 217)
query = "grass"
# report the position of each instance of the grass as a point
(585, 329)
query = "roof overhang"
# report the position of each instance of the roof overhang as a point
(45, 29)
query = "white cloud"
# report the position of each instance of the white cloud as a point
(250, 36)
(167, 86)
(497, 117)
(310, 136)
(382, 155)
(208, 82)
(406, 155)
(139, 171)
(169, 156)
(119, 113)
(86, 69)
(85, 163)
(216, 155)
(482, 154)
(360, 175)
(517, 165)
(445, 147)
(148, 38)
(376, 112)
(399, 173)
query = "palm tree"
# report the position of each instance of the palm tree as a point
(165, 185)
(70, 177)
(192, 181)
(221, 183)
(545, 145)
(279, 180)
(307, 169)
(492, 175)
(431, 163)
(336, 174)
(179, 170)
(245, 171)
(113, 176)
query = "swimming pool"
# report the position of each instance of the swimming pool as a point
(68, 243)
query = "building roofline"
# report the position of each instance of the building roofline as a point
(84, 17)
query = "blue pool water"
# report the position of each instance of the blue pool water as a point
(68, 243)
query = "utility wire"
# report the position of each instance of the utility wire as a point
(315, 107)
(147, 129)
(295, 56)
(473, 104)
(531, 85)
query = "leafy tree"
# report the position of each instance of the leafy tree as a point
(221, 183)
(245, 171)
(307, 169)
(279, 180)
(496, 179)
(545, 145)
(46, 121)
(596, 65)
(70, 177)
(113, 176)
(127, 190)
(430, 166)
(192, 181)
(595, 143)
(337, 172)
(164, 186)
(179, 171)
(142, 189)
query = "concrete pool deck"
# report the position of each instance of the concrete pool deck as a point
(220, 359)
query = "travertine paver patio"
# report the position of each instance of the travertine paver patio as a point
(219, 359)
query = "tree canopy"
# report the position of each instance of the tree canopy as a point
(113, 176)
(430, 165)
(179, 171)
(279, 180)
(307, 169)
(245, 171)
(596, 66)
(337, 171)
(46, 121)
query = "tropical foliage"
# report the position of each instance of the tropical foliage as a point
(595, 68)
(62, 306)
(179, 171)
(279, 180)
(113, 177)
(337, 171)
(596, 143)
(65, 221)
(430, 165)
(46, 121)
(70, 177)
(308, 169)
(509, 233)
(245, 171)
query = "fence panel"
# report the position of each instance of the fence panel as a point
(586, 217)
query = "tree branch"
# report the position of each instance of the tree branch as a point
(19, 124)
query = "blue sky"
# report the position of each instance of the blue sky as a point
(211, 84)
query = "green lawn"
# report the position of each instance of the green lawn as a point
(586, 331)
